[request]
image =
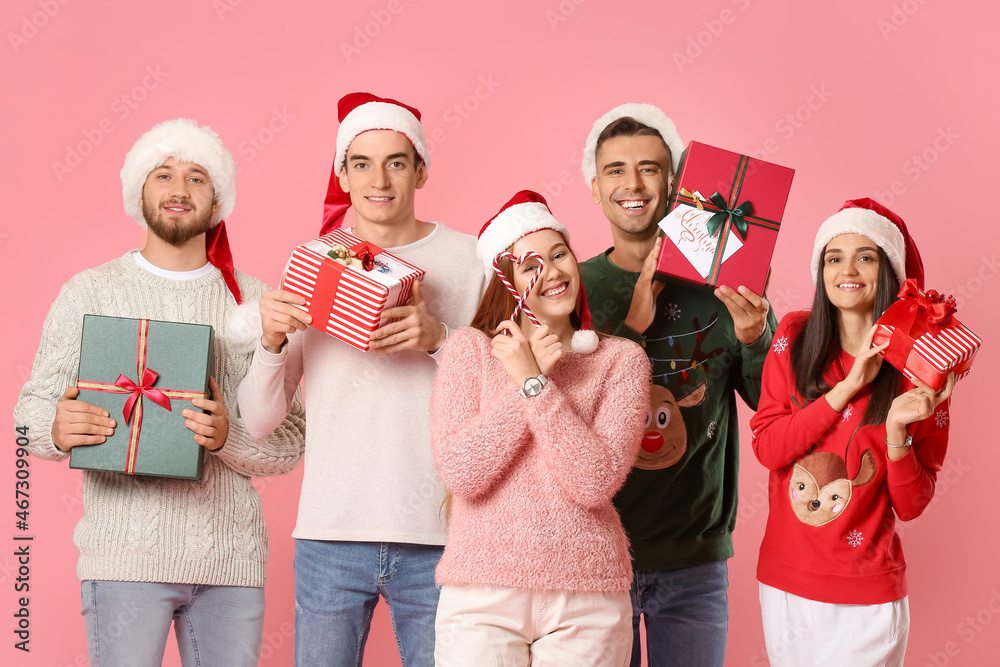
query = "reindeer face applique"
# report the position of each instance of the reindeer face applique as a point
(665, 440)
(820, 490)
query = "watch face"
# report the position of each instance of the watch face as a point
(532, 387)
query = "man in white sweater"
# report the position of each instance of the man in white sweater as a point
(152, 549)
(370, 520)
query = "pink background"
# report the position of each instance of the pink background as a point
(851, 94)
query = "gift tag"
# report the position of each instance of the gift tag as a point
(687, 228)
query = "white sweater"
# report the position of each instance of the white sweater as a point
(152, 529)
(369, 474)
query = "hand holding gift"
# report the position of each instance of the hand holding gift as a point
(414, 329)
(210, 423)
(748, 310)
(281, 314)
(79, 423)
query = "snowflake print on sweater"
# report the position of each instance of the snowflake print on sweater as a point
(941, 418)
(672, 312)
(780, 344)
(847, 412)
(855, 538)
(710, 432)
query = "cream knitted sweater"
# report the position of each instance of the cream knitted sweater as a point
(532, 478)
(151, 529)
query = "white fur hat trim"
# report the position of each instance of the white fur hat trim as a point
(511, 224)
(647, 114)
(868, 223)
(185, 141)
(379, 116)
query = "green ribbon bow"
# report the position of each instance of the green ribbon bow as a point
(736, 214)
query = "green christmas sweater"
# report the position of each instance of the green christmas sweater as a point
(678, 505)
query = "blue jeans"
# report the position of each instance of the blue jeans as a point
(337, 585)
(686, 614)
(128, 623)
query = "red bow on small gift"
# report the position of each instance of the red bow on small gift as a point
(145, 388)
(935, 308)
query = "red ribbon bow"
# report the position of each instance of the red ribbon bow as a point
(935, 308)
(145, 388)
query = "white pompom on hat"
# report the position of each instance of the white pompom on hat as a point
(358, 113)
(185, 141)
(526, 213)
(647, 114)
(872, 220)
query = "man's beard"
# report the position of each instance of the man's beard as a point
(175, 234)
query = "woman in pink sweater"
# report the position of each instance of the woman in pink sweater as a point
(534, 428)
(851, 446)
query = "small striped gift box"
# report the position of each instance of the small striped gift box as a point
(926, 340)
(346, 296)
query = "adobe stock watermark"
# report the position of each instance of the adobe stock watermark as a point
(974, 284)
(967, 630)
(256, 143)
(121, 108)
(898, 17)
(562, 12)
(462, 110)
(370, 30)
(701, 41)
(32, 23)
(223, 7)
(792, 121)
(918, 164)
(552, 189)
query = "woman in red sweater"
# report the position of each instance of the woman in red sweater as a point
(534, 426)
(851, 446)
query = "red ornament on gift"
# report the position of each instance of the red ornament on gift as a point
(926, 340)
(347, 283)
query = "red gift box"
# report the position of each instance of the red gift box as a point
(727, 237)
(926, 341)
(346, 293)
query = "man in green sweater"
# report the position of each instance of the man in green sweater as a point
(678, 505)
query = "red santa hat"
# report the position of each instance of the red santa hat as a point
(361, 112)
(185, 141)
(876, 222)
(647, 114)
(525, 213)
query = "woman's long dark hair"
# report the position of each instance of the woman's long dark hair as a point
(818, 344)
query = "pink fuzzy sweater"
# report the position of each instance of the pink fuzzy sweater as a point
(532, 478)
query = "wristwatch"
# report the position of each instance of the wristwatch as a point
(906, 443)
(533, 386)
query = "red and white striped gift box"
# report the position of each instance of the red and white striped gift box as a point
(926, 341)
(347, 301)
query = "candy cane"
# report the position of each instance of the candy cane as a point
(520, 298)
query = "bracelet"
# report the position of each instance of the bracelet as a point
(906, 443)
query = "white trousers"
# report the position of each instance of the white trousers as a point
(800, 632)
(487, 626)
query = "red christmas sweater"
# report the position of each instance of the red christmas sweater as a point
(834, 495)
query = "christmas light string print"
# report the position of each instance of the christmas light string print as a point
(680, 365)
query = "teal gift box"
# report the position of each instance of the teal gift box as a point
(144, 373)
